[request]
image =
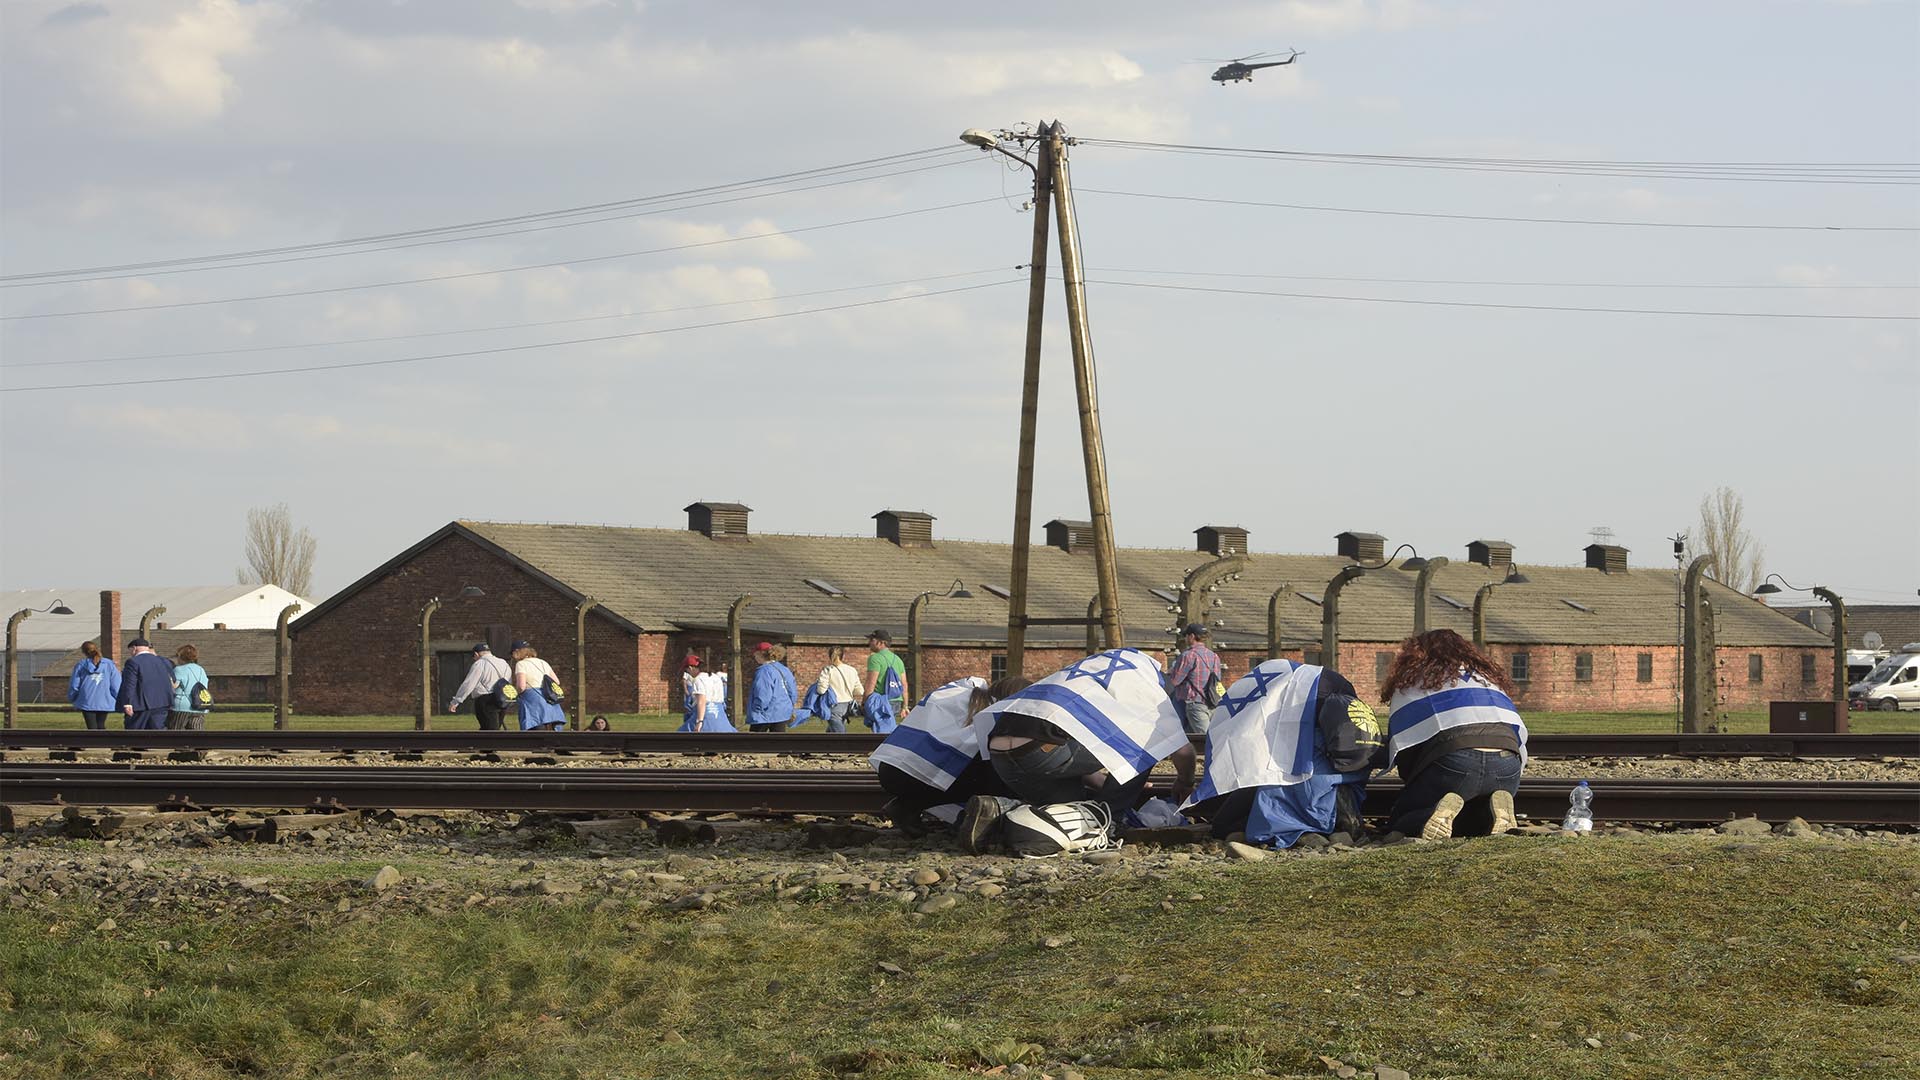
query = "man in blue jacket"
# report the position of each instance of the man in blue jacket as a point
(146, 687)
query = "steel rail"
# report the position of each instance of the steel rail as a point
(832, 792)
(806, 743)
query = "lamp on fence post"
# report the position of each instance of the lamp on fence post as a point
(58, 607)
(425, 720)
(958, 591)
(1514, 577)
(580, 661)
(1330, 601)
(282, 668)
(1839, 606)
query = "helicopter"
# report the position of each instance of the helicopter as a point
(1241, 69)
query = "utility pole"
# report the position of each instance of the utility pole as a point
(1029, 409)
(1086, 391)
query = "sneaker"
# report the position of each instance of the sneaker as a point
(1440, 822)
(980, 823)
(1504, 820)
(910, 822)
(1042, 832)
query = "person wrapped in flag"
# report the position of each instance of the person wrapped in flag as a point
(1077, 747)
(1455, 738)
(937, 756)
(1288, 752)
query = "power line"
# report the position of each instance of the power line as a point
(497, 270)
(1871, 173)
(490, 222)
(503, 326)
(1506, 284)
(499, 349)
(671, 209)
(1499, 306)
(1494, 217)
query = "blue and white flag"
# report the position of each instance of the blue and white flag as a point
(1112, 703)
(1263, 731)
(934, 744)
(1419, 715)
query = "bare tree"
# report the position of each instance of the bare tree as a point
(277, 553)
(1722, 536)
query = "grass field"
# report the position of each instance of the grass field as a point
(1606, 957)
(1580, 722)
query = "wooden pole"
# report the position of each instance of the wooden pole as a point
(1086, 390)
(1029, 410)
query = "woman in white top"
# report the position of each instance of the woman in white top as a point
(707, 709)
(530, 675)
(846, 684)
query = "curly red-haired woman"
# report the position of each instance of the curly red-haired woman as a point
(1454, 735)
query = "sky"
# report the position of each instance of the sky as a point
(142, 131)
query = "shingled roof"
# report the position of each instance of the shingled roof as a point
(222, 652)
(1897, 624)
(663, 579)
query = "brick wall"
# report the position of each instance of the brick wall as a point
(363, 656)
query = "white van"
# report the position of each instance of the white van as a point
(1894, 683)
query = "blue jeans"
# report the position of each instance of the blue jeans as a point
(1474, 775)
(837, 718)
(1196, 715)
(1058, 775)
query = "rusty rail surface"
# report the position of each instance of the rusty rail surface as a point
(804, 743)
(831, 792)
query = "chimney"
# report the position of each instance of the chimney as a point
(1073, 537)
(1361, 546)
(1494, 553)
(110, 626)
(219, 626)
(1220, 539)
(907, 528)
(1608, 558)
(718, 520)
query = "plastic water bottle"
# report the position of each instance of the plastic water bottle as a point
(1579, 809)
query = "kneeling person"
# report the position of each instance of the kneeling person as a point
(1455, 737)
(937, 756)
(1288, 752)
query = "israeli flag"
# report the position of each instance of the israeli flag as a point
(1263, 731)
(934, 744)
(1112, 703)
(1419, 715)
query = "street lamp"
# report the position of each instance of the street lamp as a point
(1514, 577)
(1767, 588)
(425, 719)
(958, 591)
(58, 607)
(1330, 602)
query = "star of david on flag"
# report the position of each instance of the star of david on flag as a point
(1261, 677)
(1116, 663)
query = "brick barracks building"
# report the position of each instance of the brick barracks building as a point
(1599, 636)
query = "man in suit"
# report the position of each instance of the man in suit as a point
(146, 687)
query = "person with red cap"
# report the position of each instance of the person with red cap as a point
(689, 671)
(706, 693)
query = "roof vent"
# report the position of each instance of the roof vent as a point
(907, 528)
(718, 520)
(1220, 539)
(219, 626)
(1364, 546)
(1608, 558)
(1494, 553)
(1074, 537)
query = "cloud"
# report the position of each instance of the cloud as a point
(179, 71)
(679, 233)
(74, 14)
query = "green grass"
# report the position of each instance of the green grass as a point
(1490, 959)
(1745, 723)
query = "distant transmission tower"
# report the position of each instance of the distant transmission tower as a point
(1601, 535)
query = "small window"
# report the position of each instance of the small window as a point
(1576, 606)
(1381, 662)
(1806, 668)
(1165, 595)
(1583, 667)
(824, 586)
(1756, 669)
(1644, 662)
(1450, 601)
(1314, 600)
(997, 667)
(260, 687)
(1000, 591)
(1519, 667)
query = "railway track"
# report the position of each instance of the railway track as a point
(830, 792)
(804, 743)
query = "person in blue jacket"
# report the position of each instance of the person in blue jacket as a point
(775, 692)
(94, 687)
(146, 688)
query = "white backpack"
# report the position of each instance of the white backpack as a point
(1041, 832)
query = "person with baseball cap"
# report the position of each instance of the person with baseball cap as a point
(1192, 681)
(146, 687)
(486, 673)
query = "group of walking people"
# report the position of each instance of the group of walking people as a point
(151, 692)
(1058, 764)
(527, 686)
(775, 702)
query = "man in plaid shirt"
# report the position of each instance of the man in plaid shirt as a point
(1196, 669)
